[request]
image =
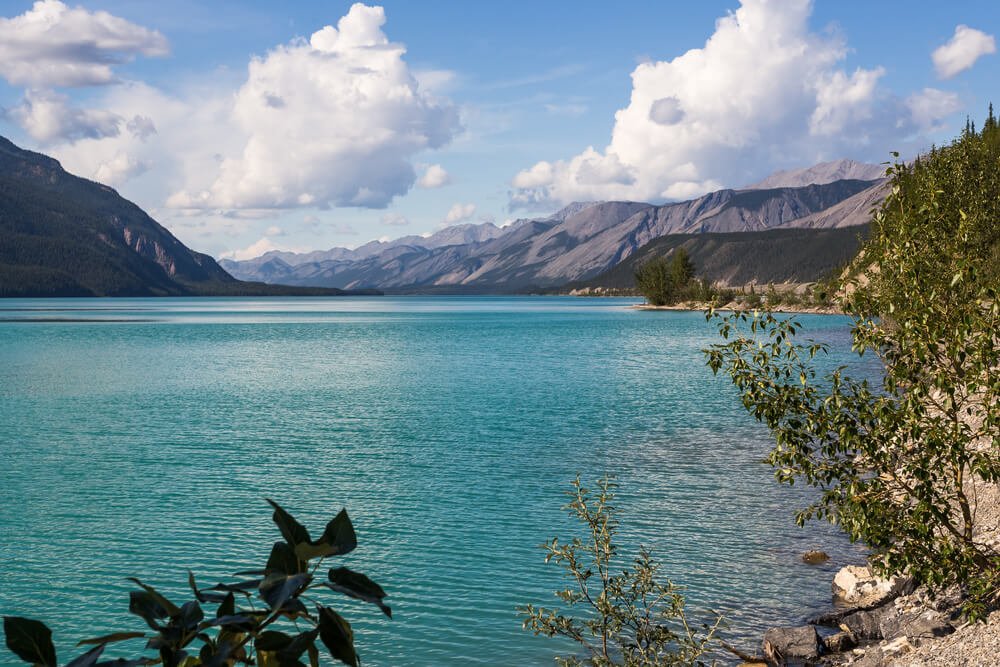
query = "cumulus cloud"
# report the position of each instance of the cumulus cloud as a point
(459, 213)
(256, 249)
(120, 168)
(930, 105)
(434, 176)
(329, 122)
(48, 117)
(962, 51)
(764, 92)
(395, 220)
(52, 45)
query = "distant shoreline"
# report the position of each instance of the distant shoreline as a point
(800, 310)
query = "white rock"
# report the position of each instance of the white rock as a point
(857, 586)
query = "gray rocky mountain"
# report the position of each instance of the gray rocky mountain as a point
(825, 172)
(577, 243)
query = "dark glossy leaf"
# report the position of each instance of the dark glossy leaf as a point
(190, 615)
(228, 606)
(30, 640)
(194, 587)
(293, 532)
(358, 586)
(237, 622)
(337, 636)
(272, 640)
(294, 608)
(88, 659)
(299, 644)
(113, 637)
(337, 539)
(217, 656)
(276, 589)
(147, 607)
(122, 662)
(283, 559)
(239, 587)
(171, 608)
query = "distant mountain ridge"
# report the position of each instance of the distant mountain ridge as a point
(62, 235)
(575, 244)
(820, 174)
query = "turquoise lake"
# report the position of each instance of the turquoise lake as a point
(140, 437)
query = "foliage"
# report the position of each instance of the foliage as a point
(900, 462)
(237, 633)
(630, 617)
(664, 282)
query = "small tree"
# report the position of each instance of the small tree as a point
(183, 636)
(664, 281)
(681, 269)
(630, 617)
(900, 462)
(653, 281)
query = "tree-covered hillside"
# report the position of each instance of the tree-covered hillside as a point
(61, 235)
(739, 258)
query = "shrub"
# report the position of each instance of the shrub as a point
(183, 636)
(900, 461)
(629, 617)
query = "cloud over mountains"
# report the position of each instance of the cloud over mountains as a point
(765, 91)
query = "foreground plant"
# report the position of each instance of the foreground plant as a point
(629, 617)
(238, 632)
(900, 463)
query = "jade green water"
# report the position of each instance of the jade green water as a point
(140, 438)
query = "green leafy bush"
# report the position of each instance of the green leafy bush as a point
(629, 616)
(238, 632)
(664, 282)
(900, 462)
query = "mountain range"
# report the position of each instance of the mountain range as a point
(583, 240)
(62, 235)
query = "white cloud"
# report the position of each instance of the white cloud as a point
(53, 45)
(459, 213)
(48, 117)
(120, 168)
(434, 176)
(395, 220)
(332, 121)
(764, 92)
(252, 251)
(274, 230)
(568, 109)
(962, 51)
(930, 105)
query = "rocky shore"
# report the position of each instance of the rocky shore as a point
(891, 623)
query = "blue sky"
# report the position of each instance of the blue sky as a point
(249, 126)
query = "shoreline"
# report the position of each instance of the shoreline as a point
(702, 306)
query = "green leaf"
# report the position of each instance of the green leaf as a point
(276, 589)
(170, 607)
(30, 640)
(88, 659)
(337, 636)
(358, 586)
(337, 539)
(272, 640)
(293, 532)
(113, 637)
(284, 560)
(147, 607)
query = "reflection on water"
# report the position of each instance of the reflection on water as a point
(144, 444)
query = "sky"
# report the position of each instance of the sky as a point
(245, 127)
